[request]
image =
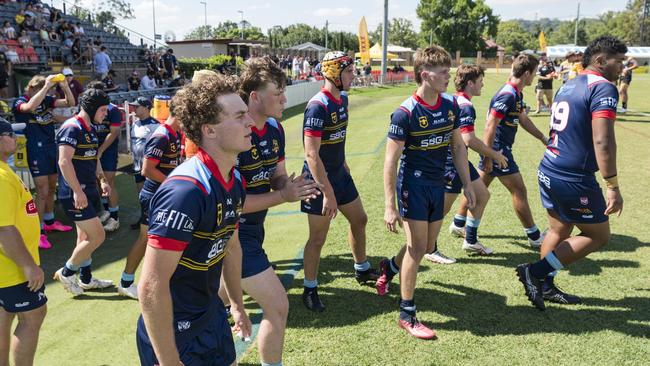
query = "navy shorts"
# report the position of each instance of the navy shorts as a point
(344, 190)
(145, 201)
(90, 211)
(19, 298)
(254, 259)
(498, 172)
(42, 160)
(212, 345)
(109, 160)
(420, 202)
(574, 202)
(625, 79)
(454, 184)
(139, 178)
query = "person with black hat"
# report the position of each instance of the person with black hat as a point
(22, 293)
(169, 63)
(78, 194)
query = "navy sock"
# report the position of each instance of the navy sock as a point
(624, 104)
(48, 218)
(406, 309)
(393, 269)
(48, 222)
(85, 274)
(127, 279)
(533, 232)
(105, 203)
(545, 266)
(114, 214)
(67, 272)
(548, 282)
(459, 220)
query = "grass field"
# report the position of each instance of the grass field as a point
(476, 305)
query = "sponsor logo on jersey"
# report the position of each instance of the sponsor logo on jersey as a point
(584, 201)
(276, 146)
(334, 117)
(174, 220)
(183, 325)
(30, 208)
(22, 304)
(417, 173)
(314, 122)
(254, 154)
(451, 116)
(396, 130)
(157, 152)
(424, 122)
(608, 102)
(219, 214)
(263, 143)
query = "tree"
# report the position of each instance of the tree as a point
(105, 13)
(514, 38)
(201, 32)
(227, 29)
(457, 24)
(400, 32)
(565, 33)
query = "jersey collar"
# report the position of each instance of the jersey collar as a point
(591, 72)
(214, 169)
(331, 97)
(261, 132)
(425, 104)
(170, 130)
(514, 86)
(464, 95)
(82, 123)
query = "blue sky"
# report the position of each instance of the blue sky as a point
(182, 16)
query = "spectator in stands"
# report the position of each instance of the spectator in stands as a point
(29, 10)
(12, 55)
(43, 33)
(8, 30)
(20, 18)
(133, 82)
(54, 36)
(55, 15)
(45, 12)
(29, 23)
(89, 52)
(76, 49)
(102, 63)
(5, 71)
(148, 81)
(109, 82)
(75, 86)
(150, 62)
(79, 30)
(169, 63)
(25, 40)
(97, 42)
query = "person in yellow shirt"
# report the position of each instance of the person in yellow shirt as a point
(22, 293)
(576, 67)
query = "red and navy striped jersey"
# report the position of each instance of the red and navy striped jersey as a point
(258, 164)
(40, 123)
(74, 132)
(466, 120)
(196, 212)
(163, 148)
(507, 104)
(327, 117)
(570, 150)
(113, 119)
(426, 131)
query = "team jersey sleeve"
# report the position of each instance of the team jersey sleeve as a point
(10, 202)
(604, 98)
(315, 115)
(68, 135)
(16, 107)
(281, 153)
(399, 124)
(49, 101)
(502, 104)
(155, 147)
(175, 212)
(114, 117)
(455, 109)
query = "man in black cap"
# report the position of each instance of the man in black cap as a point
(22, 293)
(169, 63)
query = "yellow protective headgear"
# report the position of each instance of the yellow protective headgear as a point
(333, 64)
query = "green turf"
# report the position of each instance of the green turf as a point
(477, 305)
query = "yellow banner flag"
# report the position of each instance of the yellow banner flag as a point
(364, 41)
(542, 41)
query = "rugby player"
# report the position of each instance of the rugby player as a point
(468, 82)
(582, 142)
(79, 172)
(22, 293)
(625, 80)
(34, 108)
(324, 132)
(267, 185)
(421, 130)
(193, 236)
(507, 112)
(161, 156)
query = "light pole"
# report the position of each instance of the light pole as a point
(153, 4)
(205, 12)
(241, 25)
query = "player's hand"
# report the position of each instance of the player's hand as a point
(48, 81)
(614, 202)
(468, 191)
(35, 277)
(243, 325)
(487, 165)
(330, 207)
(106, 189)
(299, 189)
(501, 160)
(80, 200)
(392, 217)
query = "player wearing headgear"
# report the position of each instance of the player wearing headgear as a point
(78, 174)
(468, 82)
(625, 80)
(582, 142)
(34, 108)
(324, 132)
(193, 235)
(421, 130)
(507, 112)
(267, 185)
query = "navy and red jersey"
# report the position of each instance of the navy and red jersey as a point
(507, 104)
(196, 212)
(258, 164)
(466, 120)
(113, 119)
(40, 123)
(570, 153)
(74, 132)
(163, 148)
(426, 131)
(327, 117)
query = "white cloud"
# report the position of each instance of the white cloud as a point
(332, 12)
(259, 7)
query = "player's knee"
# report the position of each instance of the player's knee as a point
(360, 221)
(417, 251)
(316, 240)
(32, 320)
